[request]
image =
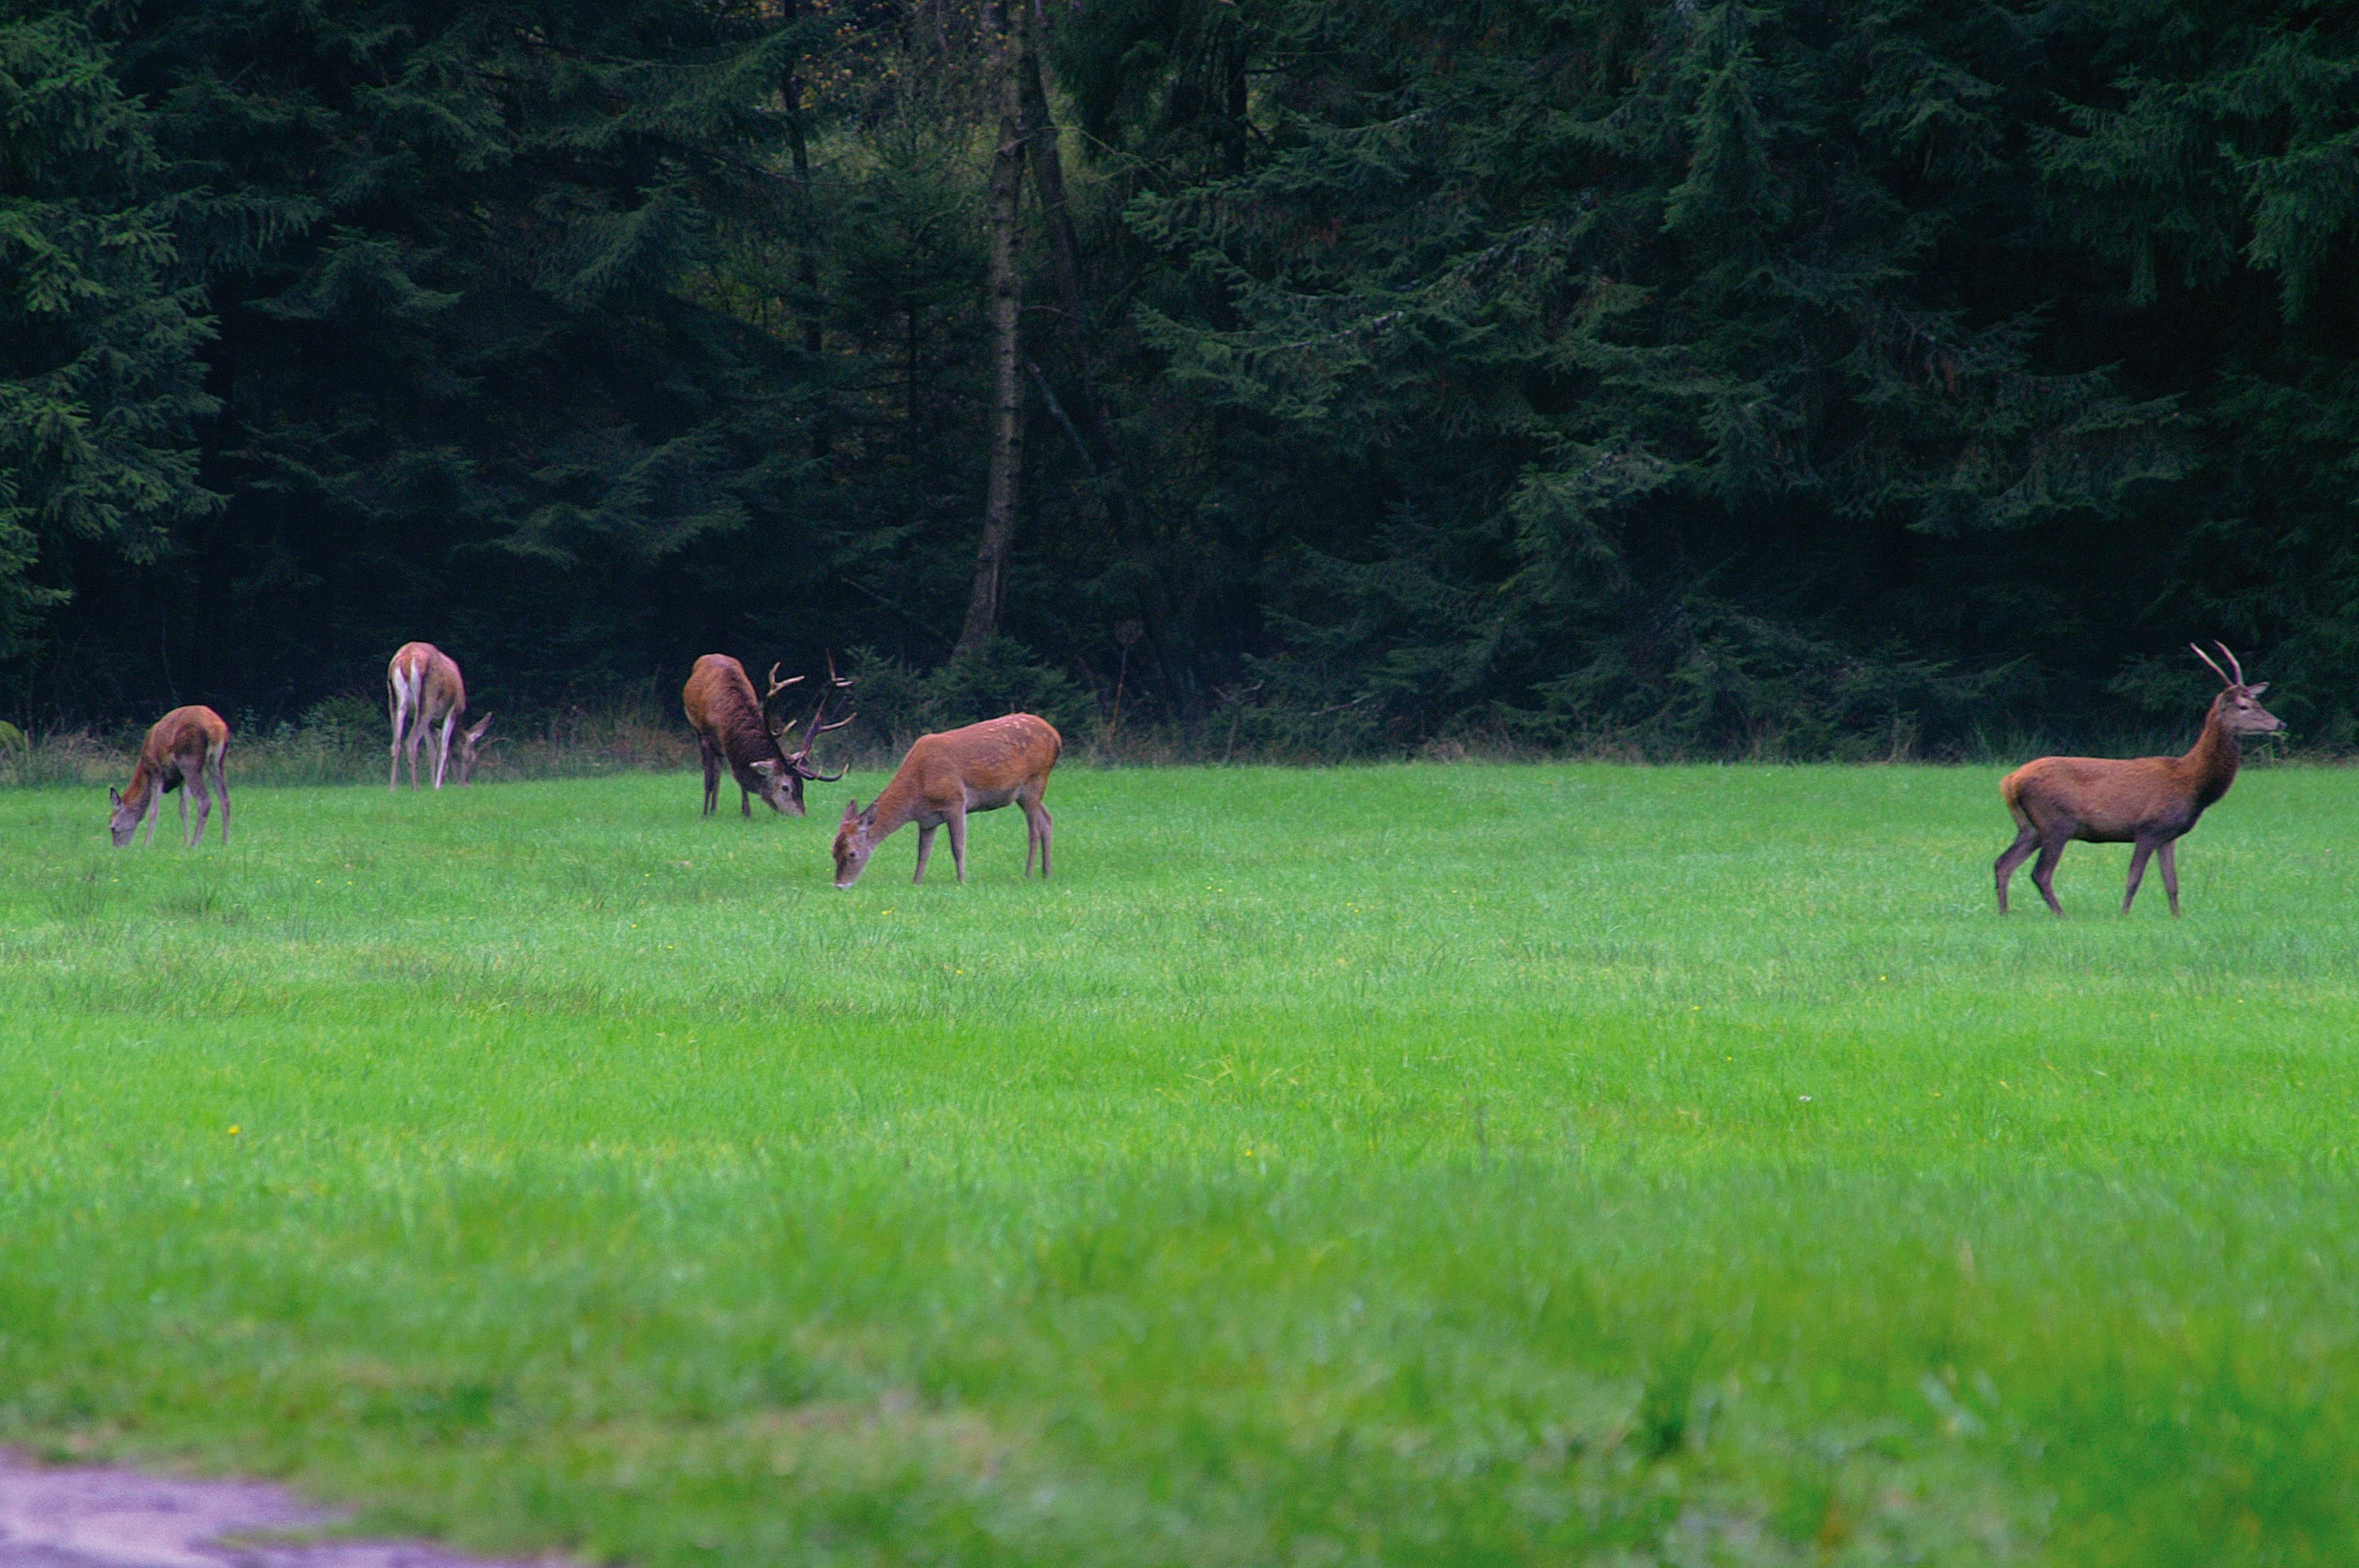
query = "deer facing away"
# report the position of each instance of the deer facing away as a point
(2147, 802)
(423, 688)
(178, 749)
(980, 768)
(732, 727)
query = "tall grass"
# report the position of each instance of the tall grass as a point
(345, 741)
(333, 747)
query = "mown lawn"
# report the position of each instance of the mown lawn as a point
(1411, 1164)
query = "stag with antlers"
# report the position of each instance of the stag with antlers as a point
(2147, 802)
(731, 724)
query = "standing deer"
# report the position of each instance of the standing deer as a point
(979, 768)
(2150, 802)
(422, 690)
(731, 724)
(182, 744)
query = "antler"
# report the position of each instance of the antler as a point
(2214, 664)
(801, 761)
(2233, 664)
(777, 685)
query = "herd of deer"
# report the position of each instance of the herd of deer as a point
(2150, 803)
(979, 768)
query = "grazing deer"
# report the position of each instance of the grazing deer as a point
(2149, 802)
(730, 724)
(979, 768)
(422, 690)
(182, 744)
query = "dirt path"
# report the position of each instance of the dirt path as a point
(94, 1517)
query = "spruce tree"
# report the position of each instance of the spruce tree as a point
(100, 330)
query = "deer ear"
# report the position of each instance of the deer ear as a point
(475, 731)
(851, 812)
(115, 794)
(766, 765)
(2257, 688)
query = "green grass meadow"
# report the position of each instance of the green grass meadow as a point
(1480, 1164)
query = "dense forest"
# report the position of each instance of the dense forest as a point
(1802, 377)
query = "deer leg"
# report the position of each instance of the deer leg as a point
(745, 804)
(1036, 821)
(711, 774)
(925, 848)
(196, 786)
(442, 757)
(184, 809)
(1029, 804)
(154, 810)
(220, 787)
(393, 779)
(956, 822)
(2043, 870)
(2168, 858)
(420, 726)
(2137, 873)
(2027, 839)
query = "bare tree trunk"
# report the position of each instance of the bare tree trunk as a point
(1006, 298)
(1101, 453)
(1233, 123)
(806, 227)
(1047, 170)
(1227, 50)
(1046, 166)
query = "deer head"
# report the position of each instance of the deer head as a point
(124, 821)
(782, 788)
(854, 842)
(779, 790)
(2237, 707)
(787, 778)
(470, 740)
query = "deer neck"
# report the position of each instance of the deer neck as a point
(145, 776)
(2211, 765)
(747, 740)
(894, 807)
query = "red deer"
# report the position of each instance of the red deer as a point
(183, 743)
(979, 768)
(423, 689)
(730, 724)
(2149, 802)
